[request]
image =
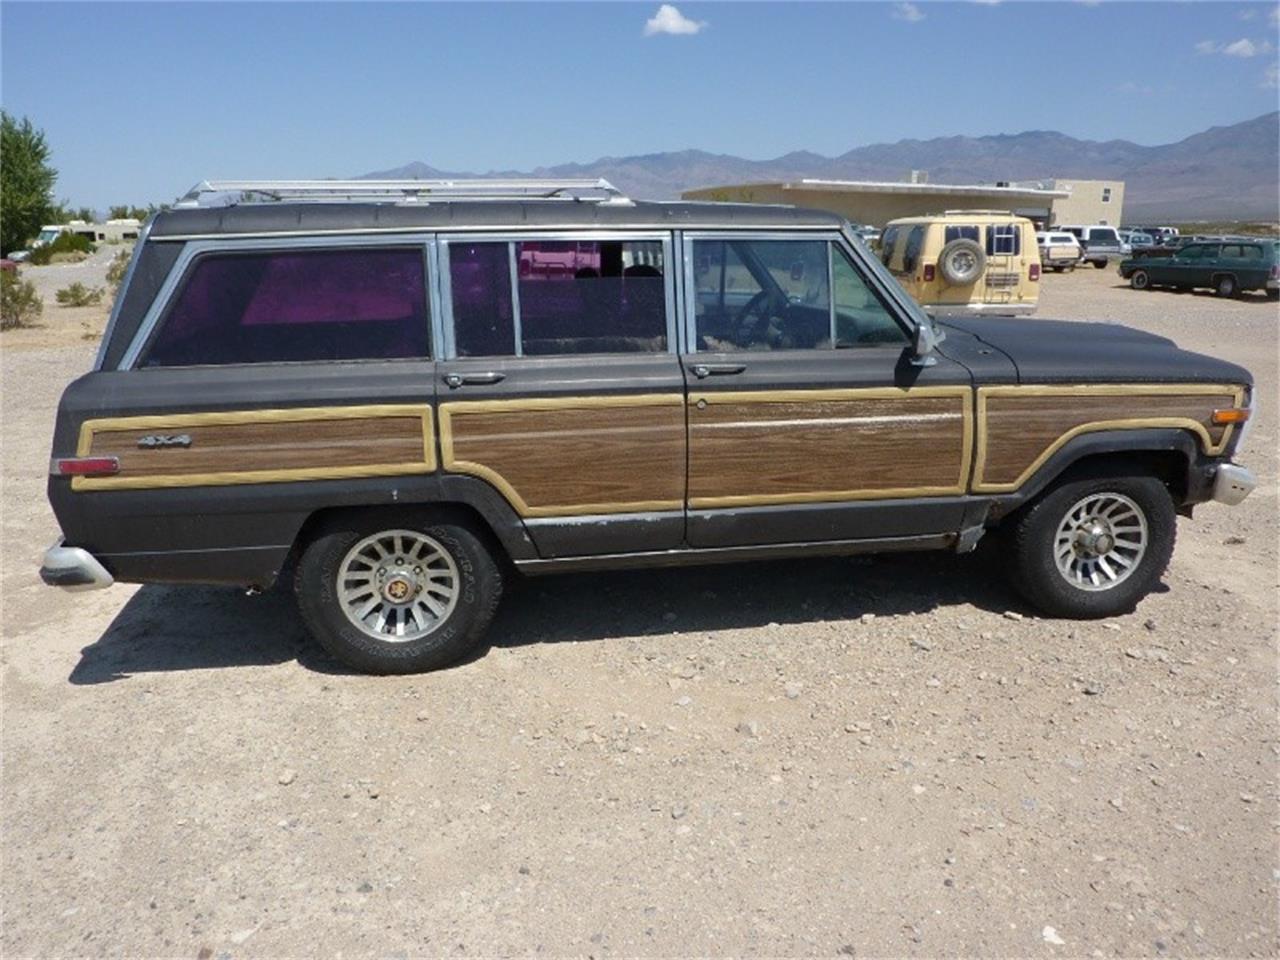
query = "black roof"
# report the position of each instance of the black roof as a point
(285, 217)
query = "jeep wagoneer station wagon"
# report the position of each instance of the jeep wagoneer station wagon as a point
(394, 393)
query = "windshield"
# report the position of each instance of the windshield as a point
(47, 236)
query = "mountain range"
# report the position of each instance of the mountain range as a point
(1223, 173)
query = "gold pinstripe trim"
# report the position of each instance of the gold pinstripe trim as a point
(962, 393)
(1121, 423)
(460, 408)
(284, 415)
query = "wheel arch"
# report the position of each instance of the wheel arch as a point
(1169, 454)
(467, 500)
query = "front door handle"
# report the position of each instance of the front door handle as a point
(704, 370)
(455, 380)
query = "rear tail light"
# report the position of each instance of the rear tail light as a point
(1034, 272)
(1275, 271)
(929, 272)
(84, 466)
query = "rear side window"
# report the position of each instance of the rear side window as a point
(886, 245)
(297, 305)
(568, 297)
(1251, 252)
(1004, 239)
(911, 255)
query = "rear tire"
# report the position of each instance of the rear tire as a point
(448, 579)
(1094, 547)
(1100, 264)
(1225, 286)
(1140, 280)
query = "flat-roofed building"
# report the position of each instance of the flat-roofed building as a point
(876, 203)
(1086, 202)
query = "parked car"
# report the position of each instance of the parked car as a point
(1101, 244)
(965, 261)
(366, 399)
(1058, 251)
(1228, 269)
(1159, 235)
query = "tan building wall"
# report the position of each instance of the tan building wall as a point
(876, 206)
(1091, 201)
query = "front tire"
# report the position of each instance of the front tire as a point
(398, 596)
(1140, 280)
(1093, 548)
(1100, 264)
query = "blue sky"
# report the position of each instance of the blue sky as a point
(139, 101)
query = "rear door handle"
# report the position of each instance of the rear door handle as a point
(704, 370)
(455, 380)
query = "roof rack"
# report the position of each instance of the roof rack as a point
(399, 191)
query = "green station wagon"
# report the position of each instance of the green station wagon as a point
(1229, 268)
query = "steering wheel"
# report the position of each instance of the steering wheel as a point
(760, 307)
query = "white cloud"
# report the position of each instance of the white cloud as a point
(1244, 48)
(671, 21)
(988, 3)
(908, 12)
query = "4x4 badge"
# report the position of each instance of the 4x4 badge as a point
(164, 440)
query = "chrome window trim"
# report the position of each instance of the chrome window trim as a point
(193, 250)
(517, 326)
(433, 297)
(511, 238)
(120, 294)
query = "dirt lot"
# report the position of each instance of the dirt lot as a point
(866, 757)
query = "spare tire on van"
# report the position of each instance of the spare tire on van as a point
(962, 262)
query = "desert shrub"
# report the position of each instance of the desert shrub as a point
(116, 269)
(62, 243)
(20, 305)
(78, 295)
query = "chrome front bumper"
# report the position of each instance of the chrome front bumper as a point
(1232, 483)
(73, 568)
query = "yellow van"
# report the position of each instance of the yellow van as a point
(965, 261)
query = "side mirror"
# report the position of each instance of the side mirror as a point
(923, 344)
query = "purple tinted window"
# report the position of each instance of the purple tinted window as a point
(480, 278)
(591, 297)
(361, 304)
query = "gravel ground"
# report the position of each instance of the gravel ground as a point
(861, 757)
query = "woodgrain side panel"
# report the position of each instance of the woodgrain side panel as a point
(566, 456)
(262, 446)
(1019, 428)
(827, 445)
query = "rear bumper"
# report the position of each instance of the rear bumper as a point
(73, 568)
(1232, 483)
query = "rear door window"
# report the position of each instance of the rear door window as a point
(958, 232)
(547, 297)
(297, 305)
(1004, 239)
